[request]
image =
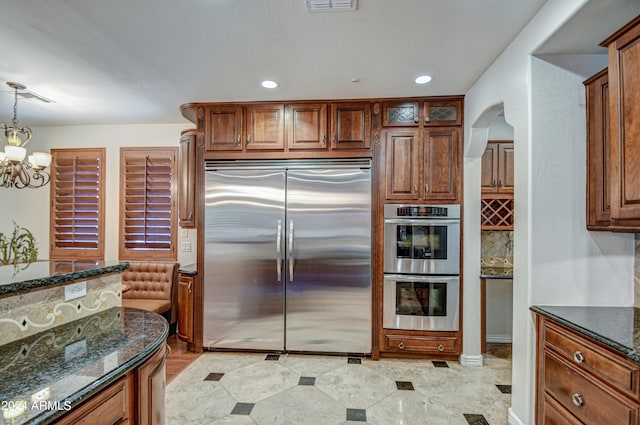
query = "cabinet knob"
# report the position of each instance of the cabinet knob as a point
(440, 347)
(427, 119)
(401, 346)
(416, 119)
(577, 399)
(578, 357)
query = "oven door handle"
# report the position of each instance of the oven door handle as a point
(421, 278)
(423, 221)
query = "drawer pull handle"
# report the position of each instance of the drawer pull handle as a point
(577, 399)
(401, 346)
(578, 357)
(440, 347)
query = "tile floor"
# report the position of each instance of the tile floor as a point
(287, 389)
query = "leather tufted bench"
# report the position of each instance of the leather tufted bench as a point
(153, 287)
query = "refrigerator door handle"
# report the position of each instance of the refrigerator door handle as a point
(279, 251)
(291, 256)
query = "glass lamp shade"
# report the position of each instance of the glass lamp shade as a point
(15, 153)
(3, 156)
(42, 159)
(17, 136)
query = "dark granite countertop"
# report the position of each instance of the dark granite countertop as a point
(190, 269)
(70, 363)
(615, 327)
(39, 274)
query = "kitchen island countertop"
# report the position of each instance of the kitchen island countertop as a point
(616, 327)
(68, 364)
(41, 274)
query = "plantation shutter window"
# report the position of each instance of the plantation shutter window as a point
(148, 210)
(77, 204)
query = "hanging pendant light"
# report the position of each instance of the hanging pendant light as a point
(17, 169)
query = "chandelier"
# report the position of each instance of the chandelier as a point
(15, 171)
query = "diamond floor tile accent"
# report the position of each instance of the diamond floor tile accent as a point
(242, 408)
(357, 415)
(354, 360)
(504, 389)
(439, 363)
(405, 385)
(275, 357)
(214, 377)
(475, 419)
(307, 380)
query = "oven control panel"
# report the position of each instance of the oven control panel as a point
(422, 211)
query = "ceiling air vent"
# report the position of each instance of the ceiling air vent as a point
(331, 5)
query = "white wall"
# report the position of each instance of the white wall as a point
(30, 207)
(500, 129)
(509, 82)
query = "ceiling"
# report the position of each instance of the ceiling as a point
(137, 61)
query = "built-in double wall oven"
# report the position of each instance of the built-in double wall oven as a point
(421, 267)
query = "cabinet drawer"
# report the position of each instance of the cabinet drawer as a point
(589, 401)
(590, 357)
(441, 345)
(554, 414)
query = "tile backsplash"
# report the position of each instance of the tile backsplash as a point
(496, 249)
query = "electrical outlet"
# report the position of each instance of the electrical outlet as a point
(186, 246)
(75, 290)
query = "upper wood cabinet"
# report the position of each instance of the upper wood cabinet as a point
(401, 114)
(307, 126)
(223, 128)
(441, 166)
(265, 126)
(435, 112)
(497, 167)
(402, 163)
(351, 125)
(598, 181)
(187, 179)
(423, 166)
(624, 121)
(442, 113)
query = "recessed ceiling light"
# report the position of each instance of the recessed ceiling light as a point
(423, 79)
(268, 84)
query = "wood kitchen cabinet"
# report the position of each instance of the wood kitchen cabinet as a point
(624, 123)
(307, 126)
(401, 114)
(442, 113)
(151, 383)
(186, 285)
(186, 181)
(497, 167)
(265, 127)
(223, 128)
(581, 382)
(351, 125)
(598, 170)
(421, 343)
(423, 166)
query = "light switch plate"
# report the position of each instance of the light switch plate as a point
(186, 246)
(75, 290)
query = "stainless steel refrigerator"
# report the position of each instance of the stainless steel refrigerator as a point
(288, 256)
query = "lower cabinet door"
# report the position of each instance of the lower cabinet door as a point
(151, 386)
(185, 308)
(422, 344)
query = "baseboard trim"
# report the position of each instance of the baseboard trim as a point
(505, 339)
(513, 419)
(473, 361)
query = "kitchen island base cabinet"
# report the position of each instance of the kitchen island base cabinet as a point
(114, 405)
(136, 398)
(581, 382)
(151, 379)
